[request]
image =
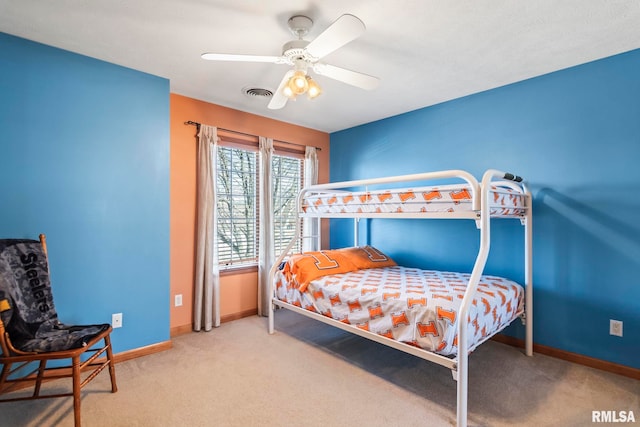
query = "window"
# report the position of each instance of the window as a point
(287, 183)
(237, 186)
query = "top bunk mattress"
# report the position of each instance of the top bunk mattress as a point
(506, 201)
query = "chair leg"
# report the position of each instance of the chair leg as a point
(76, 390)
(41, 368)
(6, 368)
(112, 368)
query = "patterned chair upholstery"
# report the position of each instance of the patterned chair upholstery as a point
(31, 334)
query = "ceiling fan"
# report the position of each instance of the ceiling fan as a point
(304, 56)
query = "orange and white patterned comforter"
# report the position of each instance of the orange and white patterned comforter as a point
(506, 201)
(418, 307)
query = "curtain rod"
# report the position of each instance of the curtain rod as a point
(192, 123)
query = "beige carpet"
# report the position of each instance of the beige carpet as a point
(310, 374)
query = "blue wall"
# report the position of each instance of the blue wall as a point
(575, 136)
(84, 158)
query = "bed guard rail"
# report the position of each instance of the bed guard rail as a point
(447, 174)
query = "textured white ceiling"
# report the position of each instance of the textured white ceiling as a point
(424, 51)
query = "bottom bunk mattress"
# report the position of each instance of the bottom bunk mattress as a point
(414, 306)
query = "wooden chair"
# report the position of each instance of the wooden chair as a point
(31, 335)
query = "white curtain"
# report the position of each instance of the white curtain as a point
(206, 310)
(266, 256)
(310, 226)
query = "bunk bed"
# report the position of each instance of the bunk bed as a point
(361, 290)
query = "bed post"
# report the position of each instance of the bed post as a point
(317, 229)
(474, 279)
(298, 237)
(528, 275)
(356, 232)
(272, 275)
(272, 306)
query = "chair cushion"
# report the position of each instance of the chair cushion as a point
(59, 337)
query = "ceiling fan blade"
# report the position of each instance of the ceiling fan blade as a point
(354, 78)
(344, 29)
(279, 99)
(242, 58)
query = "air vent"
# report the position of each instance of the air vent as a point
(257, 92)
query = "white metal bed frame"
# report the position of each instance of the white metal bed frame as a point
(480, 212)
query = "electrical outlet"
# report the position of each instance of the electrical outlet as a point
(615, 327)
(177, 300)
(116, 320)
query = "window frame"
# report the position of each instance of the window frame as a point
(250, 262)
(229, 140)
(280, 244)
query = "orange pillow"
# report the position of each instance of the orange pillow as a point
(367, 257)
(305, 267)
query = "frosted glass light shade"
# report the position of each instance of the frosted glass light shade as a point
(298, 83)
(314, 89)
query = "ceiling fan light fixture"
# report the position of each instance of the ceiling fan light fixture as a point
(298, 83)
